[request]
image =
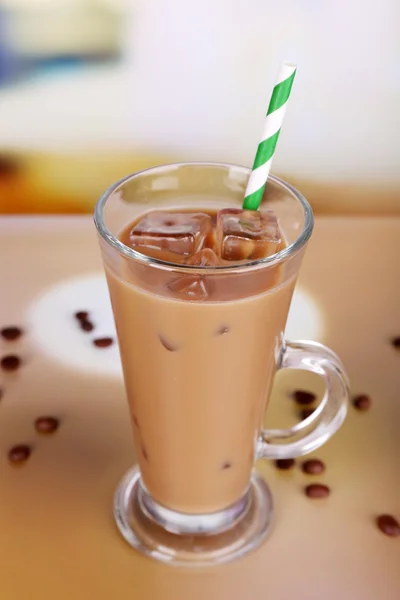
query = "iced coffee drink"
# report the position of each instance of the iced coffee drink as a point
(199, 353)
(200, 290)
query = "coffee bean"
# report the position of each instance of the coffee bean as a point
(11, 333)
(224, 329)
(317, 490)
(136, 422)
(302, 397)
(81, 315)
(284, 463)
(396, 342)
(168, 345)
(388, 525)
(362, 402)
(305, 413)
(86, 325)
(19, 454)
(313, 466)
(103, 342)
(226, 465)
(11, 362)
(46, 424)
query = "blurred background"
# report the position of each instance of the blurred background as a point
(91, 90)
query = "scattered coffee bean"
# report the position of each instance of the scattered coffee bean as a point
(396, 342)
(167, 344)
(284, 463)
(136, 422)
(144, 452)
(19, 454)
(362, 402)
(313, 466)
(302, 397)
(103, 342)
(222, 330)
(226, 465)
(81, 315)
(11, 333)
(317, 490)
(46, 424)
(86, 325)
(305, 413)
(11, 362)
(388, 525)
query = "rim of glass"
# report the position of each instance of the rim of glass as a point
(269, 260)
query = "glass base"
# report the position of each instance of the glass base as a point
(192, 540)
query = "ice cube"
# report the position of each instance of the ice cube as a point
(247, 234)
(180, 233)
(168, 344)
(204, 258)
(195, 287)
(190, 287)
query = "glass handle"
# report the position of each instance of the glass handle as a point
(316, 429)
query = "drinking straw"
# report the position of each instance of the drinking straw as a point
(272, 127)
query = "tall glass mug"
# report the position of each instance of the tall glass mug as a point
(199, 349)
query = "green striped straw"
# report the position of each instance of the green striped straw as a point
(272, 127)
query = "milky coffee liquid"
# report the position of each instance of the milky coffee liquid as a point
(198, 374)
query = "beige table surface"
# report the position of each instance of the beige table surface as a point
(57, 535)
